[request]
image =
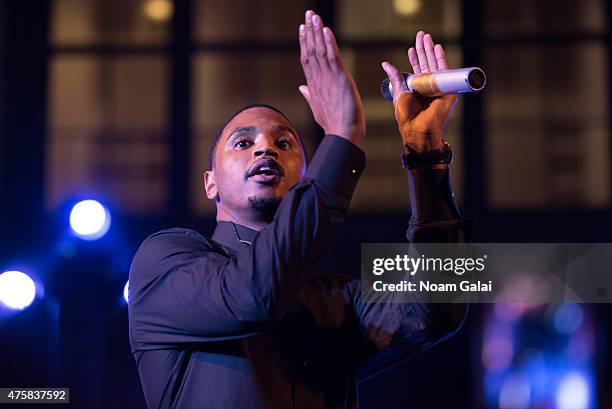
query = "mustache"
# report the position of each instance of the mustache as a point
(270, 165)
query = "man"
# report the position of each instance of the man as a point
(240, 320)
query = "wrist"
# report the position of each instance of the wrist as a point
(422, 141)
(355, 136)
(439, 158)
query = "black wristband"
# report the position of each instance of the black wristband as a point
(424, 160)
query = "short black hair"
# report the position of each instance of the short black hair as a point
(213, 146)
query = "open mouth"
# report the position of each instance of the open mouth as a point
(266, 170)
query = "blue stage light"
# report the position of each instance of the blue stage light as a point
(17, 290)
(568, 318)
(89, 220)
(515, 393)
(126, 291)
(573, 392)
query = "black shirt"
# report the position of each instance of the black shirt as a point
(240, 320)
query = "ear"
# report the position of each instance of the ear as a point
(210, 185)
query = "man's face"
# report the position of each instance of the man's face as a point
(257, 159)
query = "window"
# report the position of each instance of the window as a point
(246, 52)
(383, 185)
(546, 105)
(108, 114)
(545, 127)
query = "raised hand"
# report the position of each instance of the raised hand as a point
(421, 121)
(330, 92)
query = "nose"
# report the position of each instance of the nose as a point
(266, 149)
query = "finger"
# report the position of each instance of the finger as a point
(302, 39)
(429, 52)
(441, 57)
(305, 93)
(303, 52)
(320, 47)
(310, 42)
(333, 52)
(420, 48)
(397, 79)
(306, 63)
(414, 60)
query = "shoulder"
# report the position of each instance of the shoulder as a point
(172, 241)
(170, 247)
(174, 237)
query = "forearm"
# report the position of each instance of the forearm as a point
(431, 195)
(304, 226)
(398, 331)
(435, 216)
(186, 288)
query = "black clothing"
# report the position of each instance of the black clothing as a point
(221, 323)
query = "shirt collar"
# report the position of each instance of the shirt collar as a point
(226, 235)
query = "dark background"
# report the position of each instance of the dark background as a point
(98, 101)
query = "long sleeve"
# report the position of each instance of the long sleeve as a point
(185, 288)
(435, 217)
(397, 331)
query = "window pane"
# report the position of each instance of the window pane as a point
(384, 185)
(543, 16)
(547, 126)
(247, 19)
(224, 83)
(398, 18)
(107, 131)
(92, 22)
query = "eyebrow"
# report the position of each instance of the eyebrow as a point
(285, 128)
(240, 129)
(251, 129)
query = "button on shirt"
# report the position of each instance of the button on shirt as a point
(241, 320)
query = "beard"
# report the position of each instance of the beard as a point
(265, 207)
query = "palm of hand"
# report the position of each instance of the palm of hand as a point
(423, 119)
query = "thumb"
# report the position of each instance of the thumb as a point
(396, 78)
(305, 92)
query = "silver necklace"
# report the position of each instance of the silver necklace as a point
(238, 237)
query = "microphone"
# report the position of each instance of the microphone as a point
(441, 82)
